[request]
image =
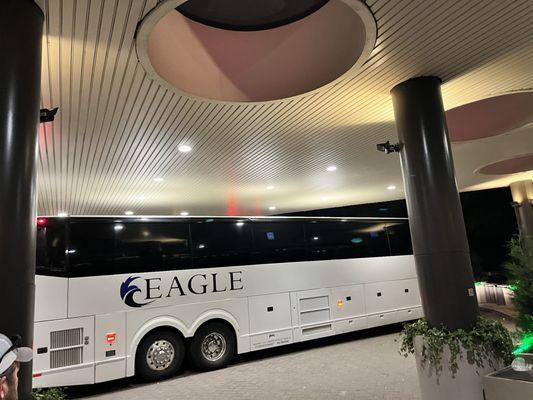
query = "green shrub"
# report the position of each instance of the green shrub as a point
(520, 268)
(487, 341)
(49, 394)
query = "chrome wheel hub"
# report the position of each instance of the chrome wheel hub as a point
(160, 355)
(214, 346)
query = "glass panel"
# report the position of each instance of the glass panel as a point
(330, 240)
(220, 243)
(282, 241)
(399, 238)
(92, 248)
(143, 247)
(50, 256)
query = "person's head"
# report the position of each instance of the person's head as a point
(11, 354)
(9, 383)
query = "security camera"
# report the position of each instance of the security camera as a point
(388, 148)
(47, 115)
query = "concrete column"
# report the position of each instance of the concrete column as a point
(21, 24)
(522, 192)
(438, 231)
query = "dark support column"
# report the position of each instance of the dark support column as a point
(438, 232)
(522, 192)
(21, 24)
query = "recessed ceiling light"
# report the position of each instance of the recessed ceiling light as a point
(184, 213)
(141, 198)
(158, 179)
(272, 208)
(184, 148)
(62, 214)
(240, 223)
(270, 187)
(315, 237)
(331, 168)
(391, 187)
(128, 212)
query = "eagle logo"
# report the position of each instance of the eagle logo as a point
(128, 289)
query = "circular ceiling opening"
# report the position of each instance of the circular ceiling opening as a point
(513, 165)
(313, 44)
(246, 15)
(490, 117)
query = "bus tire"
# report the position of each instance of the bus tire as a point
(213, 346)
(159, 355)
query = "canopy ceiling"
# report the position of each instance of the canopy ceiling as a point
(114, 144)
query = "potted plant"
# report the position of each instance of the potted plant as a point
(451, 364)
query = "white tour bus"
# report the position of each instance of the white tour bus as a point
(118, 296)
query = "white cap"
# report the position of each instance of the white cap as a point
(20, 354)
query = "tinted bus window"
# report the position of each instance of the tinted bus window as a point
(50, 256)
(152, 246)
(399, 238)
(92, 248)
(329, 240)
(279, 242)
(221, 243)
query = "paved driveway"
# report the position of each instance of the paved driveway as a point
(361, 365)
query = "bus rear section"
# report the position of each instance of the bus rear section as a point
(117, 297)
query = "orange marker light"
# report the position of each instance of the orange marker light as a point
(111, 337)
(340, 303)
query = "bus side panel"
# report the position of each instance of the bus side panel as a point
(270, 320)
(110, 347)
(50, 298)
(64, 352)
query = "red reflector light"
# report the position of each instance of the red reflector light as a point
(41, 221)
(111, 337)
(37, 375)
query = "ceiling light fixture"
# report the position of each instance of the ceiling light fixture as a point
(62, 215)
(331, 168)
(184, 148)
(158, 179)
(272, 208)
(391, 187)
(270, 187)
(128, 212)
(184, 213)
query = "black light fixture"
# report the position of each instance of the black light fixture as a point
(246, 15)
(388, 147)
(47, 115)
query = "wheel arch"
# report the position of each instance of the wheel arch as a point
(216, 315)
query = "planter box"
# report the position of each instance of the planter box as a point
(507, 384)
(466, 385)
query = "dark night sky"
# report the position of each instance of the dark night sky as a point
(489, 219)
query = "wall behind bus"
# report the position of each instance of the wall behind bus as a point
(489, 218)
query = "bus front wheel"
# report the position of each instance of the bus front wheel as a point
(159, 355)
(213, 346)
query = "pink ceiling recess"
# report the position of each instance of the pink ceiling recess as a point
(490, 117)
(513, 165)
(263, 65)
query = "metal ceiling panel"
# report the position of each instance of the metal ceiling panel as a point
(117, 130)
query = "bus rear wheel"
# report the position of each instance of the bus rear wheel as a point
(159, 355)
(213, 346)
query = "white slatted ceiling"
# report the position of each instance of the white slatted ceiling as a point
(117, 129)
